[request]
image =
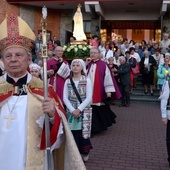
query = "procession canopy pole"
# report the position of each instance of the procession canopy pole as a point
(48, 154)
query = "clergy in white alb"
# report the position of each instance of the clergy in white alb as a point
(22, 108)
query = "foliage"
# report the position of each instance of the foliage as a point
(72, 51)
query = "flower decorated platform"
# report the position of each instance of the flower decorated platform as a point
(76, 51)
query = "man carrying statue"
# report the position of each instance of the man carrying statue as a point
(22, 108)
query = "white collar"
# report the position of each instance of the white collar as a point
(29, 77)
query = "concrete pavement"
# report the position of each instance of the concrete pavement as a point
(135, 142)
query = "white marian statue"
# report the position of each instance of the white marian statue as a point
(78, 31)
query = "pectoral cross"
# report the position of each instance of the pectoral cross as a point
(9, 118)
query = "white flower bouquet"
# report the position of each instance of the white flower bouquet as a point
(76, 51)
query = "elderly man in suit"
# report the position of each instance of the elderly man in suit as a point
(124, 74)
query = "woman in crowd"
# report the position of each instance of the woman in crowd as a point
(102, 46)
(50, 45)
(113, 69)
(138, 49)
(117, 54)
(138, 59)
(74, 107)
(132, 43)
(107, 53)
(159, 61)
(147, 69)
(163, 71)
(155, 48)
(94, 41)
(143, 44)
(112, 46)
(132, 61)
(145, 48)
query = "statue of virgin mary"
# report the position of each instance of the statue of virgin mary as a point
(78, 31)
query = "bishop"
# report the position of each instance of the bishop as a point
(22, 131)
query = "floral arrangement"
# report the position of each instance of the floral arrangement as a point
(76, 51)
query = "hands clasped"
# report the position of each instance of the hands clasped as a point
(76, 113)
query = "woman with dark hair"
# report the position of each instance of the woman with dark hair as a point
(147, 69)
(113, 68)
(94, 41)
(131, 43)
(56, 43)
(143, 44)
(132, 62)
(112, 46)
(138, 59)
(107, 53)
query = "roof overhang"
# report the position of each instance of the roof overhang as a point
(107, 9)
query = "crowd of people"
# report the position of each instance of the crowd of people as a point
(144, 57)
(77, 89)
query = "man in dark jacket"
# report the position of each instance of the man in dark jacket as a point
(124, 74)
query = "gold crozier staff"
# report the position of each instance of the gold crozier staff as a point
(48, 154)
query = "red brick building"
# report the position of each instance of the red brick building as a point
(53, 16)
(133, 19)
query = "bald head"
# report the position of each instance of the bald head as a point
(58, 51)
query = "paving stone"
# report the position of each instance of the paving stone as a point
(135, 142)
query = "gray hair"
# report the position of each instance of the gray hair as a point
(95, 48)
(137, 45)
(122, 58)
(166, 34)
(146, 52)
(167, 55)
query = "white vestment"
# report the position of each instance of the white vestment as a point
(12, 151)
(108, 83)
(16, 153)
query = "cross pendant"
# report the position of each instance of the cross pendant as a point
(9, 118)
